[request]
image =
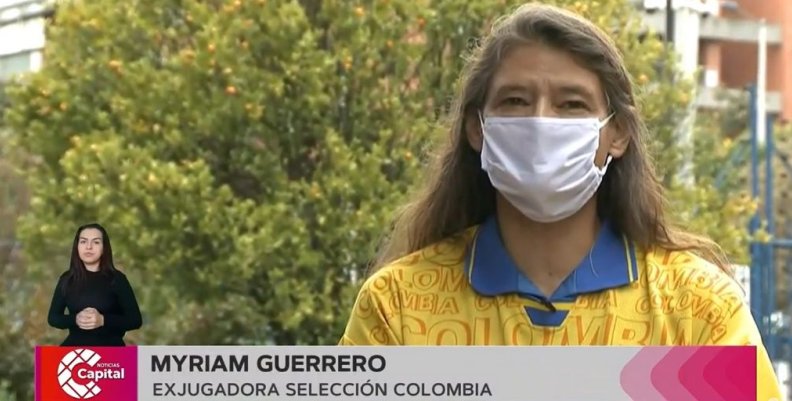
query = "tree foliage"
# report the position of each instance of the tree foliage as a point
(246, 156)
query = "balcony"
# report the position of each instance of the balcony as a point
(22, 32)
(717, 98)
(713, 27)
(19, 11)
(717, 28)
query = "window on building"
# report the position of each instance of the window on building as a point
(13, 64)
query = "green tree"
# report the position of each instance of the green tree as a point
(5, 392)
(244, 156)
(782, 186)
(247, 155)
(15, 290)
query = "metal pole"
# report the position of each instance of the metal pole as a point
(769, 267)
(766, 253)
(761, 83)
(669, 21)
(782, 243)
(753, 226)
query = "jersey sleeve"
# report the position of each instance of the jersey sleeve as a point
(373, 320)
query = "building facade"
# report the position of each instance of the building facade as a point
(716, 37)
(719, 39)
(21, 35)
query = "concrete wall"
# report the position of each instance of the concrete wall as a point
(738, 66)
(21, 36)
(726, 51)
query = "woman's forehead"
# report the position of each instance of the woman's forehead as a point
(90, 233)
(533, 66)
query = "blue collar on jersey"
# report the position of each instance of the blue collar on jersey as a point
(492, 272)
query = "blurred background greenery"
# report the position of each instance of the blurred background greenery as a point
(246, 156)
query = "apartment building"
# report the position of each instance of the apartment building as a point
(719, 38)
(21, 35)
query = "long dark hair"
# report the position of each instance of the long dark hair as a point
(458, 194)
(77, 271)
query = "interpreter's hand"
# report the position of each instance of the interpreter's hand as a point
(89, 319)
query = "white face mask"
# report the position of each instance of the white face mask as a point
(543, 166)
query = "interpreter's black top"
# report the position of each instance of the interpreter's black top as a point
(108, 293)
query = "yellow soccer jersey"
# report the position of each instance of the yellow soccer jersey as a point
(467, 291)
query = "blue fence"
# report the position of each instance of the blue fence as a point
(764, 271)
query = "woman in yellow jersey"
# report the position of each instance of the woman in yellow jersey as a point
(543, 222)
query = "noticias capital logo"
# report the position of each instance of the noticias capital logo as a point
(72, 370)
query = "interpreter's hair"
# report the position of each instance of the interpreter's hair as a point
(458, 194)
(77, 273)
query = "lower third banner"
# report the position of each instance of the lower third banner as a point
(219, 373)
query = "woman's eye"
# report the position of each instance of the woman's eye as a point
(515, 101)
(574, 105)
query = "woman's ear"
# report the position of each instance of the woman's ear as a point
(619, 144)
(473, 131)
(618, 137)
